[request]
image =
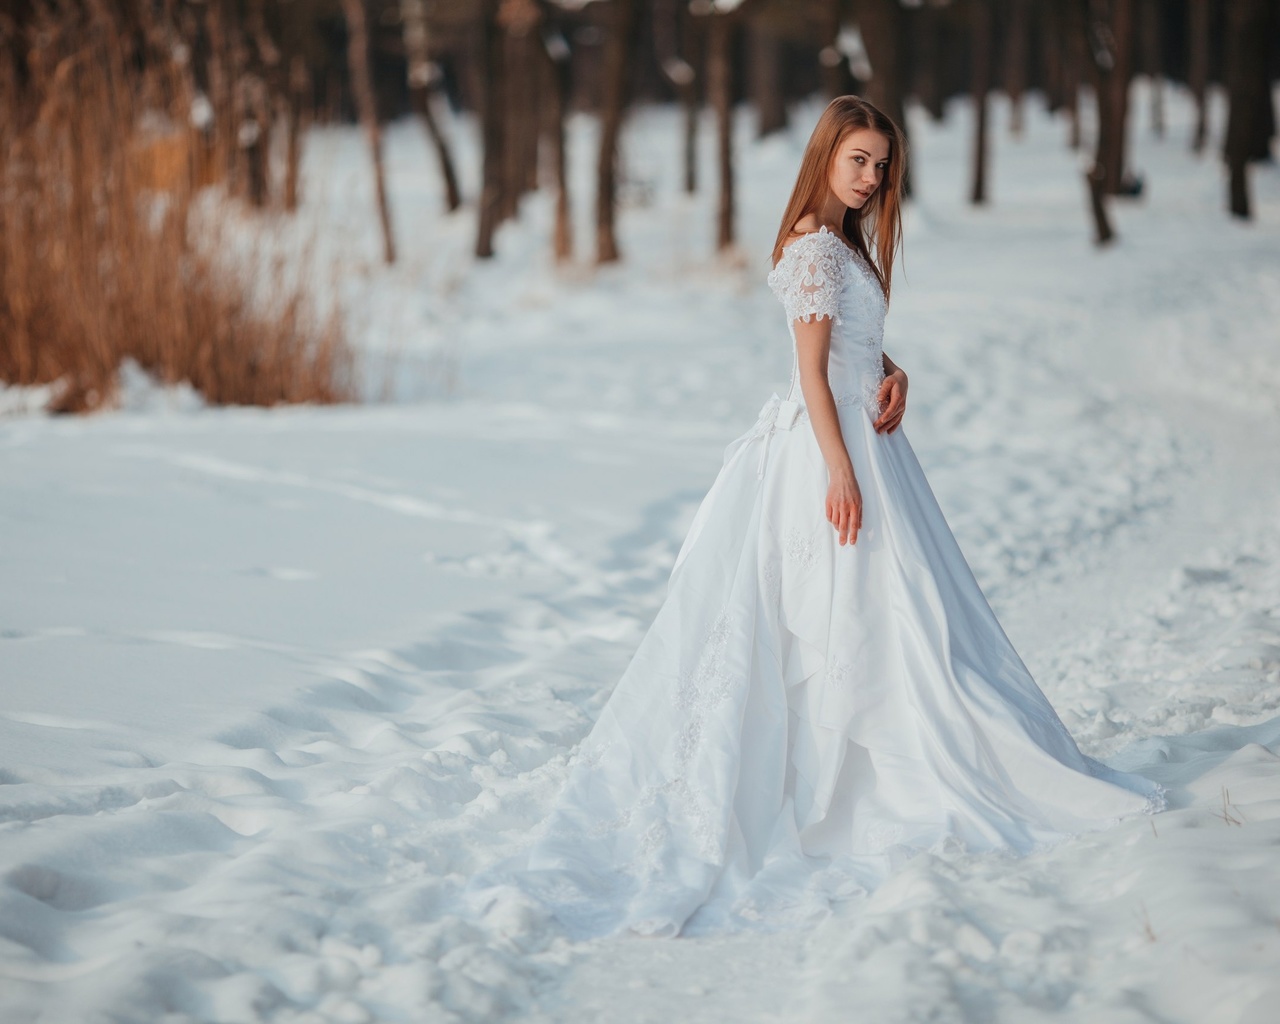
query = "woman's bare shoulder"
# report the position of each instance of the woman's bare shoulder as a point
(807, 226)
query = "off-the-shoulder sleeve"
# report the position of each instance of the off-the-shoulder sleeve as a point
(808, 278)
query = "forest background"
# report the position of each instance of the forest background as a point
(127, 124)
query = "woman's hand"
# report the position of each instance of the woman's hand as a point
(844, 505)
(892, 398)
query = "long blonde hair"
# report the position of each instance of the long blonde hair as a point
(881, 217)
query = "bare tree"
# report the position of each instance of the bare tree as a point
(1118, 18)
(295, 125)
(1198, 67)
(831, 61)
(1151, 36)
(617, 74)
(1075, 59)
(676, 36)
(1100, 44)
(262, 64)
(423, 79)
(765, 69)
(719, 88)
(366, 102)
(519, 20)
(883, 27)
(1248, 131)
(492, 120)
(980, 85)
(1017, 58)
(555, 50)
(927, 53)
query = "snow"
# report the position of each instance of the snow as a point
(274, 683)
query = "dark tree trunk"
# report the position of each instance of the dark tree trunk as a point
(423, 76)
(556, 51)
(520, 149)
(1121, 24)
(296, 100)
(1017, 59)
(674, 43)
(617, 72)
(928, 58)
(1051, 54)
(830, 60)
(295, 112)
(1075, 57)
(719, 88)
(221, 76)
(1095, 23)
(492, 121)
(262, 59)
(1198, 67)
(1246, 66)
(766, 82)
(366, 101)
(1153, 59)
(883, 28)
(980, 85)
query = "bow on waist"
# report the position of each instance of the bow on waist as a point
(776, 414)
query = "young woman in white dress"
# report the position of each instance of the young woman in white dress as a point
(825, 690)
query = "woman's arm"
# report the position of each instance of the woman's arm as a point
(844, 499)
(892, 397)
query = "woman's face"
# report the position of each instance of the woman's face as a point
(858, 166)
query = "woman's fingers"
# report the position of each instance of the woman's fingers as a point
(849, 521)
(897, 404)
(891, 418)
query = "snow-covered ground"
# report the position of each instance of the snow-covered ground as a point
(273, 684)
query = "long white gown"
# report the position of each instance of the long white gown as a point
(802, 716)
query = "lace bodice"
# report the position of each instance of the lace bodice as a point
(818, 275)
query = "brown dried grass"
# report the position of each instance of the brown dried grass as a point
(103, 253)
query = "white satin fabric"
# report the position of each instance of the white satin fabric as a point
(802, 716)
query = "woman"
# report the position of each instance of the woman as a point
(825, 690)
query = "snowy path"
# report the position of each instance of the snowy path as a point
(273, 684)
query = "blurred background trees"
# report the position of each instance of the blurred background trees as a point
(110, 102)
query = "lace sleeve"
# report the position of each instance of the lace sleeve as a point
(808, 277)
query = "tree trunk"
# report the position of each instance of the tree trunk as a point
(1074, 58)
(362, 84)
(423, 75)
(928, 58)
(980, 84)
(617, 72)
(1094, 22)
(492, 121)
(719, 88)
(1153, 60)
(1017, 57)
(520, 150)
(1264, 116)
(556, 51)
(295, 112)
(673, 42)
(766, 83)
(1246, 65)
(1198, 67)
(1051, 46)
(882, 32)
(831, 61)
(1121, 23)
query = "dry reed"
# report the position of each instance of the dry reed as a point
(102, 254)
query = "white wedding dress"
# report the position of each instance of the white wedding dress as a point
(802, 716)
